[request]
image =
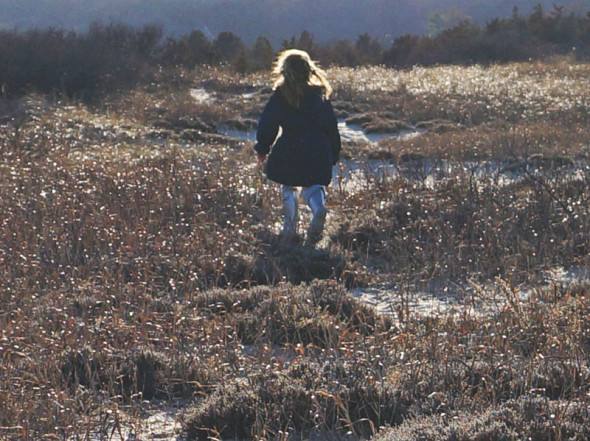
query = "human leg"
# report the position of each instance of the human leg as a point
(315, 198)
(290, 206)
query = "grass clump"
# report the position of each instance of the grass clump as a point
(529, 418)
(305, 397)
(320, 314)
(296, 263)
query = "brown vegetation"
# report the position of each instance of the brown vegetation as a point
(139, 268)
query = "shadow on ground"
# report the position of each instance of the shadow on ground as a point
(294, 262)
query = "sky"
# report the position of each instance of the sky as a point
(326, 20)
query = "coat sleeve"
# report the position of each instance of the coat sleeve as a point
(333, 133)
(268, 126)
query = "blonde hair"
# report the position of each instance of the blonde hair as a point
(295, 71)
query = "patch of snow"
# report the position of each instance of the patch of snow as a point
(201, 96)
(348, 133)
(355, 133)
(442, 299)
(572, 276)
(405, 305)
(249, 96)
(246, 135)
(158, 423)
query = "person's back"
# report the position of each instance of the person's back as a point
(309, 143)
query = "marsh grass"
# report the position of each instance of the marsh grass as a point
(494, 230)
(135, 270)
(530, 418)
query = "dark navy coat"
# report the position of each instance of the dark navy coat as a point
(309, 144)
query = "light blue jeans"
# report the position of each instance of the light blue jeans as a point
(314, 197)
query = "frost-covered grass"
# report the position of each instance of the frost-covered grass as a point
(495, 112)
(541, 88)
(139, 262)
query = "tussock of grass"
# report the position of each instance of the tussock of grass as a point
(139, 374)
(378, 123)
(327, 397)
(319, 314)
(530, 418)
(296, 263)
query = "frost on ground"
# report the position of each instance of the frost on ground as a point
(451, 300)
(538, 90)
(201, 95)
(348, 133)
(154, 423)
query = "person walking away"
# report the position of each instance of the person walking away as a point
(309, 144)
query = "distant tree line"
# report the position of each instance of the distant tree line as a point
(112, 57)
(105, 59)
(518, 38)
